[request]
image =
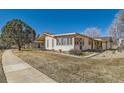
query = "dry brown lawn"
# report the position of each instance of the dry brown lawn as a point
(74, 70)
(2, 75)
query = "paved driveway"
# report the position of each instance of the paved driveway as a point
(17, 71)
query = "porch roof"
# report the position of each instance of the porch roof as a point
(72, 34)
(100, 40)
(40, 38)
(36, 41)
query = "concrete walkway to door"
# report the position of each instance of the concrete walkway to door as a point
(17, 71)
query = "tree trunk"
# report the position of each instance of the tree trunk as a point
(19, 46)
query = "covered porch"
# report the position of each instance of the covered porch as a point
(99, 44)
(39, 42)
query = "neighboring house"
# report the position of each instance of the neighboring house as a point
(109, 41)
(99, 44)
(66, 42)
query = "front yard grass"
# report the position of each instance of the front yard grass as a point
(67, 69)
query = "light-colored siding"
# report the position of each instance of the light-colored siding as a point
(49, 43)
(86, 44)
(104, 45)
(52, 42)
(108, 45)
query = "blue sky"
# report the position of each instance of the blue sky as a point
(61, 21)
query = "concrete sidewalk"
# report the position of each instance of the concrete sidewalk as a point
(17, 71)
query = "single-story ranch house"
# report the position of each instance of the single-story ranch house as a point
(69, 41)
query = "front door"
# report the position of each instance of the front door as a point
(80, 47)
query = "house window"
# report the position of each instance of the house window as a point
(82, 42)
(76, 41)
(67, 41)
(47, 43)
(70, 41)
(52, 42)
(79, 41)
(64, 41)
(58, 41)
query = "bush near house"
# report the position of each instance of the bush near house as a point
(60, 50)
(75, 52)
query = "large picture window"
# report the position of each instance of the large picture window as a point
(64, 41)
(79, 41)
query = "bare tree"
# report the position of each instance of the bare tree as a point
(116, 29)
(120, 16)
(92, 32)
